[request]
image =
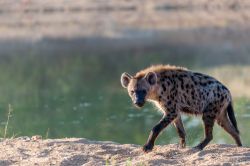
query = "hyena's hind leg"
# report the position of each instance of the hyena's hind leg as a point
(181, 131)
(208, 120)
(228, 122)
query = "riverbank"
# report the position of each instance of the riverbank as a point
(116, 19)
(79, 151)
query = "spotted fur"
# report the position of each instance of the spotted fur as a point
(175, 90)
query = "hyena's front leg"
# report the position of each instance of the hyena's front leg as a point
(164, 122)
(180, 130)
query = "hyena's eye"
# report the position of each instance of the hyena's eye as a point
(132, 92)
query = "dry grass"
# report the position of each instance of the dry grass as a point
(7, 122)
(236, 78)
(112, 18)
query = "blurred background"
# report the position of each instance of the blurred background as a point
(61, 61)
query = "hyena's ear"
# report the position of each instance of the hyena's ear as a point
(125, 79)
(151, 77)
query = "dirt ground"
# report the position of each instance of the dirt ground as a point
(79, 151)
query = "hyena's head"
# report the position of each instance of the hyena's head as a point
(139, 88)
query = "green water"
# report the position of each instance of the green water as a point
(79, 95)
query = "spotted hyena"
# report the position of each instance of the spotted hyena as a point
(174, 90)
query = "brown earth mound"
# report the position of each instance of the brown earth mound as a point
(79, 151)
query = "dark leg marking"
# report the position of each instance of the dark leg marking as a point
(163, 123)
(181, 131)
(224, 122)
(208, 125)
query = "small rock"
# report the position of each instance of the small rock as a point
(36, 137)
(25, 138)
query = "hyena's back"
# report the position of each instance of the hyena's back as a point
(191, 92)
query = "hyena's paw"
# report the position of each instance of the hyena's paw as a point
(181, 145)
(197, 148)
(147, 148)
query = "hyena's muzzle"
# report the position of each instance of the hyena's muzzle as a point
(139, 98)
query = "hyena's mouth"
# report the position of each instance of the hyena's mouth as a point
(139, 104)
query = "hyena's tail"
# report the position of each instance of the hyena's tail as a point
(230, 112)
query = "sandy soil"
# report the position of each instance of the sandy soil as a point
(79, 151)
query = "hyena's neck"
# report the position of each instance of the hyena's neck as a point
(155, 94)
